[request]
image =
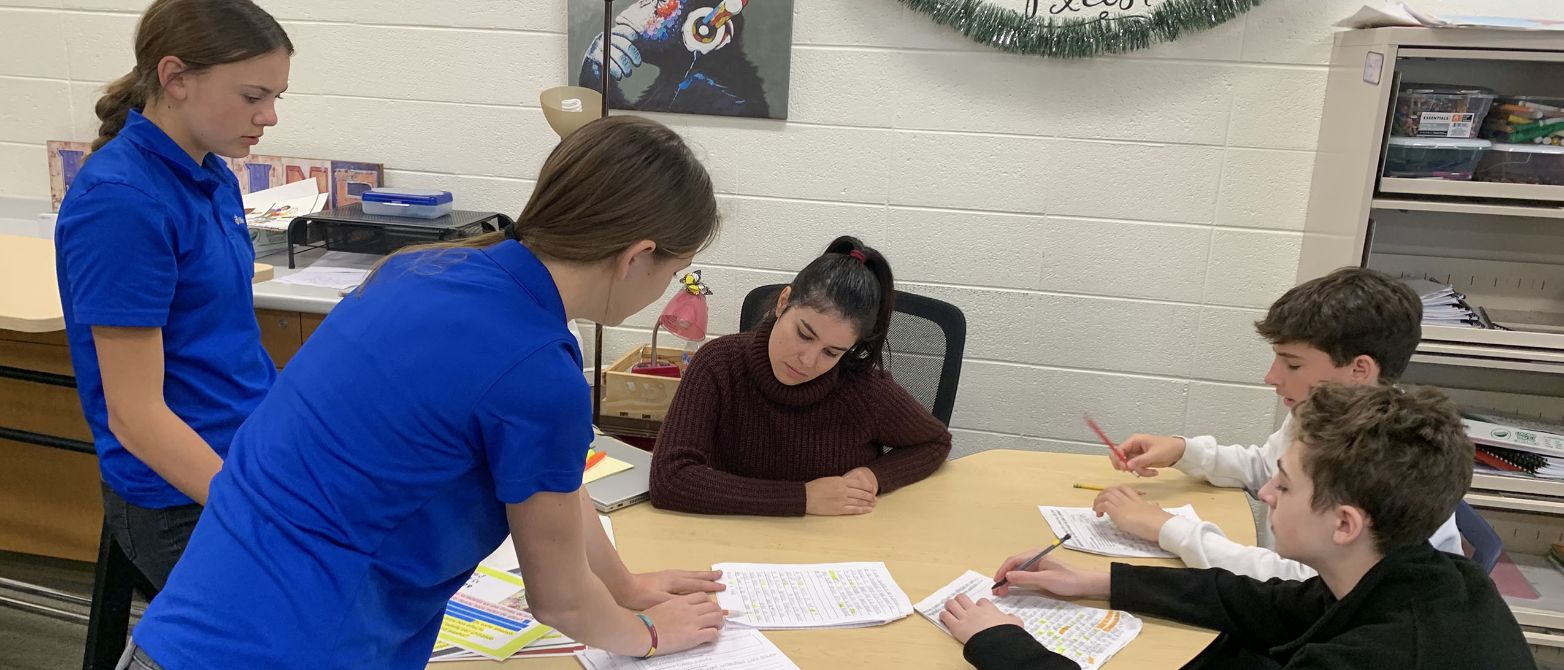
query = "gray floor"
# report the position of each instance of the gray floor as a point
(31, 641)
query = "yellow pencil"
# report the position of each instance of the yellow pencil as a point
(1094, 487)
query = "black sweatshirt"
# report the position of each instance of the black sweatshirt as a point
(1418, 609)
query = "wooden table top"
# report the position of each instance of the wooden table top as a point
(972, 514)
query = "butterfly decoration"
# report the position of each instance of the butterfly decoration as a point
(692, 283)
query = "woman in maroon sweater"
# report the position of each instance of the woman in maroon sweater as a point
(799, 416)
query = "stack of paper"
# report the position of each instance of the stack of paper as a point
(268, 212)
(1443, 305)
(274, 208)
(1097, 534)
(1402, 14)
(339, 270)
(1087, 635)
(736, 649)
(779, 596)
(489, 617)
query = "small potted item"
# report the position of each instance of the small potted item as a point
(408, 202)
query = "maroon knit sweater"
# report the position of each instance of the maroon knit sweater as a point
(737, 441)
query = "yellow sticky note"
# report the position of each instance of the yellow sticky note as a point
(608, 466)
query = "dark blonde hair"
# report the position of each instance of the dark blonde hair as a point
(202, 33)
(1399, 453)
(612, 183)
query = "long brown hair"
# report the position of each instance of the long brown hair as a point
(612, 183)
(202, 33)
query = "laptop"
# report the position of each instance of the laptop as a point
(621, 489)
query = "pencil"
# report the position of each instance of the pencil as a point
(1111, 446)
(1094, 487)
(1033, 561)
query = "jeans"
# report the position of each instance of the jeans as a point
(136, 659)
(152, 539)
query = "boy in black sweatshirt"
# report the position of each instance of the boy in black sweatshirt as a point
(1374, 471)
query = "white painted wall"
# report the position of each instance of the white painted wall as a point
(1111, 227)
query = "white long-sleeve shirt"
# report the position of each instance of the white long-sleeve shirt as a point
(1202, 545)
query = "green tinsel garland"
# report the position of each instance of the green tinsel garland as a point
(1010, 30)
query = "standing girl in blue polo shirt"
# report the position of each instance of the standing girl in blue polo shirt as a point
(155, 261)
(438, 412)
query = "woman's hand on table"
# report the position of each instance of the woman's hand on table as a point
(686, 622)
(834, 496)
(649, 589)
(863, 478)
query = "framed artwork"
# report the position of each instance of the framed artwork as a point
(719, 57)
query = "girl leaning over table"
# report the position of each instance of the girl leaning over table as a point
(437, 412)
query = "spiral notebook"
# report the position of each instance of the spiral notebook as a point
(1512, 450)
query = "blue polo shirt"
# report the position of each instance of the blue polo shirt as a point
(373, 478)
(148, 237)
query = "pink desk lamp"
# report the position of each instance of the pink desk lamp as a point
(685, 317)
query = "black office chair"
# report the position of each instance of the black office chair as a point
(1486, 543)
(922, 350)
(113, 587)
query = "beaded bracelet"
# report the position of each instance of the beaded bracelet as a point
(650, 628)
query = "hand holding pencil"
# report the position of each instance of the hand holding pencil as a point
(1119, 460)
(1141, 454)
(1043, 573)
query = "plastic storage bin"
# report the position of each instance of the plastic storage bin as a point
(1433, 157)
(1525, 119)
(413, 203)
(1437, 110)
(1522, 164)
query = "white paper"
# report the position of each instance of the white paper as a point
(325, 277)
(273, 208)
(504, 560)
(489, 615)
(335, 269)
(1087, 635)
(1374, 17)
(1404, 15)
(823, 595)
(735, 649)
(1097, 535)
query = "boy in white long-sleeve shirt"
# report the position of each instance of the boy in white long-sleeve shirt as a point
(1353, 326)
